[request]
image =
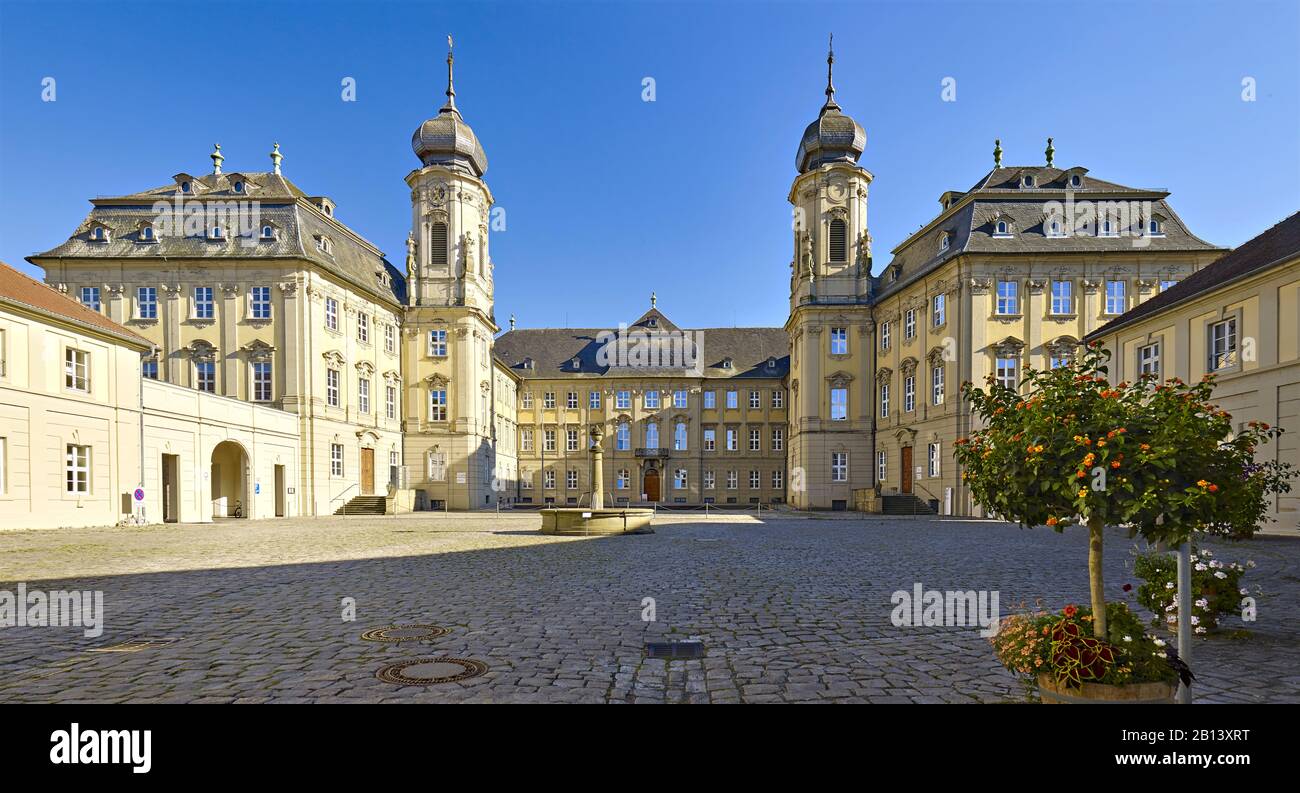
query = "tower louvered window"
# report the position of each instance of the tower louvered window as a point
(839, 241)
(438, 245)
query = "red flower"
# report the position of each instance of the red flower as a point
(1070, 611)
(1128, 587)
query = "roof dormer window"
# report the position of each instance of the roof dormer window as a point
(726, 363)
(217, 232)
(575, 363)
(238, 187)
(771, 363)
(1001, 228)
(99, 233)
(1076, 180)
(1027, 180)
(652, 322)
(186, 187)
(324, 245)
(1109, 228)
(1054, 227)
(147, 233)
(1155, 227)
(945, 242)
(268, 232)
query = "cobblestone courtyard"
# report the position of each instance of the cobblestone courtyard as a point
(791, 608)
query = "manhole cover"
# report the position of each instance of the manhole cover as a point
(405, 633)
(431, 671)
(134, 646)
(682, 649)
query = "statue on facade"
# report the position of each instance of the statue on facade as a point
(410, 253)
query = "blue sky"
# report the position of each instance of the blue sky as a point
(607, 196)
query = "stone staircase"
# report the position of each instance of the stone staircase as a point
(362, 505)
(904, 505)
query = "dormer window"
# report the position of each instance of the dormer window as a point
(575, 363)
(945, 241)
(1155, 228)
(771, 363)
(1054, 227)
(1001, 228)
(186, 187)
(238, 187)
(1108, 228)
(652, 322)
(329, 210)
(1027, 181)
(324, 245)
(726, 363)
(146, 233)
(1076, 180)
(268, 232)
(99, 234)
(527, 363)
(216, 233)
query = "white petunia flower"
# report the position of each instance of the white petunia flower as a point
(1160, 642)
(1169, 585)
(1220, 574)
(1250, 562)
(1245, 591)
(1203, 602)
(1200, 630)
(1201, 566)
(1196, 620)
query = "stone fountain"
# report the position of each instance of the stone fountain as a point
(596, 519)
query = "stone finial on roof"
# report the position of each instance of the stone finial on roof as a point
(653, 300)
(1050, 152)
(512, 321)
(217, 157)
(276, 156)
(997, 153)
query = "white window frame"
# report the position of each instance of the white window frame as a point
(884, 400)
(909, 393)
(363, 394)
(205, 305)
(1117, 300)
(839, 402)
(331, 314)
(999, 371)
(1062, 297)
(1148, 359)
(933, 454)
(936, 385)
(1008, 298)
(146, 297)
(332, 378)
(1222, 347)
(437, 404)
(939, 309)
(438, 343)
(76, 370)
(839, 466)
(336, 460)
(839, 341)
(261, 376)
(77, 469)
(259, 302)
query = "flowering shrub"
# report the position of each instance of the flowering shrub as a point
(1035, 643)
(1159, 458)
(1216, 587)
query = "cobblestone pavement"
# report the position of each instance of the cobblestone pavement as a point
(791, 608)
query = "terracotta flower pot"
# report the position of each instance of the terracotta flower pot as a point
(1052, 693)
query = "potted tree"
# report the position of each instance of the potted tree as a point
(1069, 448)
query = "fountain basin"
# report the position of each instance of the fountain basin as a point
(579, 521)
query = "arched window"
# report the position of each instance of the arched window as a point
(945, 240)
(99, 235)
(268, 232)
(1153, 227)
(1002, 227)
(651, 435)
(839, 241)
(438, 245)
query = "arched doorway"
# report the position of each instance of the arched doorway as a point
(229, 481)
(651, 479)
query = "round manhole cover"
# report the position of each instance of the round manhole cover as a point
(431, 671)
(405, 633)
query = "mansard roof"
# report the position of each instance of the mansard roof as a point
(299, 220)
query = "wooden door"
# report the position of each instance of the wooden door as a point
(652, 484)
(905, 478)
(367, 472)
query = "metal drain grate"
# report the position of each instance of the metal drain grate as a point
(675, 650)
(405, 633)
(134, 646)
(438, 670)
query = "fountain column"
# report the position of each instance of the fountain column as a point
(597, 468)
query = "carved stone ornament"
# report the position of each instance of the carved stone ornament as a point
(258, 350)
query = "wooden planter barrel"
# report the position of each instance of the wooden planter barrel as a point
(1052, 693)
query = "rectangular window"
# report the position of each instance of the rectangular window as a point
(77, 470)
(733, 400)
(548, 440)
(76, 369)
(884, 336)
(778, 398)
(526, 440)
(204, 307)
(571, 440)
(1149, 359)
(839, 404)
(882, 465)
(1008, 297)
(593, 400)
(1057, 361)
(146, 302)
(526, 400)
(90, 297)
(149, 369)
(679, 479)
(755, 400)
(332, 387)
(1115, 301)
(651, 435)
(909, 324)
(710, 400)
(623, 437)
(710, 439)
(571, 479)
(331, 314)
(778, 439)
(1006, 374)
(651, 400)
(755, 440)
(548, 400)
(363, 328)
(884, 400)
(778, 479)
(733, 441)
(261, 302)
(571, 400)
(936, 385)
(205, 375)
(1062, 297)
(548, 480)
(839, 341)
(934, 460)
(1223, 344)
(437, 467)
(679, 436)
(733, 480)
(336, 460)
(363, 394)
(438, 343)
(680, 398)
(390, 339)
(755, 480)
(839, 466)
(437, 404)
(624, 479)
(390, 401)
(708, 480)
(909, 393)
(623, 400)
(262, 381)
(938, 310)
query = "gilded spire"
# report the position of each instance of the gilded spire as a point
(997, 153)
(830, 86)
(276, 156)
(217, 157)
(451, 88)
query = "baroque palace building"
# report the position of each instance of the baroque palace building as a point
(403, 386)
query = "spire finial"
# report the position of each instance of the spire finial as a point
(830, 86)
(512, 321)
(217, 157)
(653, 299)
(451, 89)
(1050, 152)
(997, 153)
(276, 156)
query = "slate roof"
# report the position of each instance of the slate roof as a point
(999, 195)
(1279, 245)
(26, 292)
(298, 218)
(553, 350)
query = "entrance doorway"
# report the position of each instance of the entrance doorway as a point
(905, 478)
(367, 472)
(229, 481)
(171, 497)
(652, 484)
(279, 491)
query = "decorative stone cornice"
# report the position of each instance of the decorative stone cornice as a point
(200, 350)
(980, 286)
(884, 374)
(258, 350)
(335, 357)
(1008, 346)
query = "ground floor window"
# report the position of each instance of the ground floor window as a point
(77, 468)
(336, 459)
(839, 466)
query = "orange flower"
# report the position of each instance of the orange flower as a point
(1213, 488)
(1114, 464)
(1051, 521)
(1146, 447)
(1100, 444)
